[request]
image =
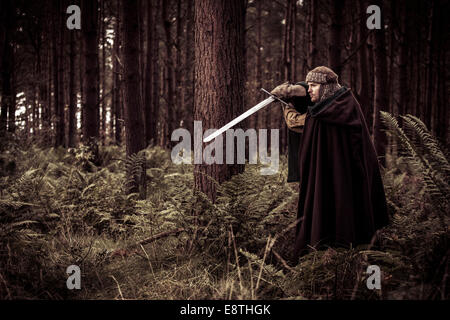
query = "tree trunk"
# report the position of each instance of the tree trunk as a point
(364, 88)
(7, 64)
(72, 94)
(171, 108)
(403, 63)
(380, 94)
(60, 126)
(150, 120)
(260, 116)
(156, 72)
(293, 44)
(189, 67)
(117, 106)
(91, 77)
(429, 106)
(334, 49)
(82, 68)
(179, 75)
(312, 32)
(48, 109)
(134, 112)
(103, 71)
(12, 105)
(219, 84)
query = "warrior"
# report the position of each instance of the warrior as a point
(341, 194)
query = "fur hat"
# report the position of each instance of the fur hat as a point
(327, 79)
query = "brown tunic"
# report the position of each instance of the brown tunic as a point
(294, 119)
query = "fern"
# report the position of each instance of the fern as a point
(435, 177)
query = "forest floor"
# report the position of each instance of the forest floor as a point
(58, 208)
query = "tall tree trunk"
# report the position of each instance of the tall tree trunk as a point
(171, 109)
(403, 62)
(55, 69)
(429, 106)
(364, 88)
(156, 72)
(58, 51)
(2, 33)
(334, 49)
(188, 86)
(103, 71)
(38, 87)
(134, 111)
(219, 41)
(312, 33)
(7, 63)
(260, 116)
(117, 106)
(81, 59)
(150, 121)
(380, 94)
(392, 47)
(49, 109)
(91, 77)
(72, 94)
(288, 62)
(442, 90)
(12, 106)
(179, 75)
(293, 44)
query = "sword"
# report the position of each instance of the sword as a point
(246, 114)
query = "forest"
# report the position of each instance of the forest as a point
(92, 92)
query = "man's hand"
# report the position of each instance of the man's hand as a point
(287, 90)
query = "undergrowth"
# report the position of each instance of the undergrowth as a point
(59, 207)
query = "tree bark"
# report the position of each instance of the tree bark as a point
(219, 41)
(72, 94)
(312, 32)
(380, 94)
(91, 77)
(403, 63)
(7, 64)
(103, 71)
(179, 75)
(188, 86)
(334, 49)
(171, 109)
(117, 84)
(134, 112)
(364, 88)
(58, 72)
(150, 120)
(429, 106)
(260, 116)
(156, 73)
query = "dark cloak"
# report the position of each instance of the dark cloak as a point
(300, 105)
(342, 200)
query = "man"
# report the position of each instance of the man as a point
(341, 200)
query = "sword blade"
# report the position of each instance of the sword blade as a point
(238, 119)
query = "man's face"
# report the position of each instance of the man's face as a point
(313, 90)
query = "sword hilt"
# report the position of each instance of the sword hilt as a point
(274, 96)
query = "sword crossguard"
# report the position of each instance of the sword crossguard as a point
(274, 96)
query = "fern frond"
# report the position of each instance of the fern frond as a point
(437, 187)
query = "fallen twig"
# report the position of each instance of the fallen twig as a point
(131, 248)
